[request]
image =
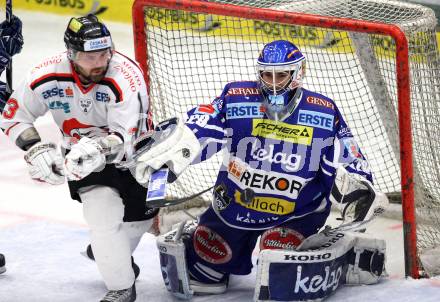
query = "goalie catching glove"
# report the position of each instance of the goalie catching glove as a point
(172, 144)
(356, 197)
(89, 155)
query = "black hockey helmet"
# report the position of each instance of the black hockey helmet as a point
(87, 34)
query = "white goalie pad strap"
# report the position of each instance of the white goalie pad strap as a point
(367, 262)
(313, 273)
(173, 263)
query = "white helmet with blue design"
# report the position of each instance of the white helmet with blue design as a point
(280, 68)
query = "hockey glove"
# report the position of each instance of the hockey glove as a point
(11, 37)
(4, 59)
(356, 197)
(89, 155)
(45, 163)
(4, 95)
(173, 145)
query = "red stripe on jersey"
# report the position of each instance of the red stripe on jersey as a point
(111, 83)
(78, 81)
(150, 121)
(49, 77)
(9, 129)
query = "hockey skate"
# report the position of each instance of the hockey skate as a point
(136, 269)
(200, 288)
(2, 264)
(123, 295)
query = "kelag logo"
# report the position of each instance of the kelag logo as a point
(299, 281)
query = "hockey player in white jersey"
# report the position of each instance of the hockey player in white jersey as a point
(98, 99)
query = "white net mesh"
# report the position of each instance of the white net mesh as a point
(192, 56)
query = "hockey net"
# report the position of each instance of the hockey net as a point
(356, 54)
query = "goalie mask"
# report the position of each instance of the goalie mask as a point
(280, 69)
(89, 47)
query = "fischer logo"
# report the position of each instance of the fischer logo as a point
(313, 284)
(297, 134)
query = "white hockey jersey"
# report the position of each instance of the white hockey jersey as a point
(117, 104)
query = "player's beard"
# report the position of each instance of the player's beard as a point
(95, 75)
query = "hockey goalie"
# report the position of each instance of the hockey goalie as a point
(288, 157)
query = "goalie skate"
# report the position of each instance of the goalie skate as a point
(2, 264)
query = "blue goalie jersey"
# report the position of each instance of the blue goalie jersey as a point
(273, 171)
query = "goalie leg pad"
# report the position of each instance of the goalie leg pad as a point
(174, 266)
(286, 275)
(173, 263)
(316, 271)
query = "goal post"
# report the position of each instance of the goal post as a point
(377, 59)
